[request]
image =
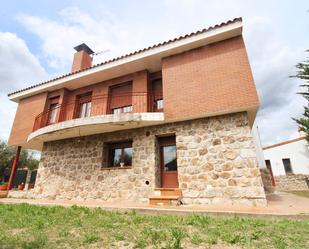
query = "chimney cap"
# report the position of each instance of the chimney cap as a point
(84, 47)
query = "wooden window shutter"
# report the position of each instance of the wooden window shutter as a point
(121, 96)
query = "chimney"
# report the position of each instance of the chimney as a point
(82, 57)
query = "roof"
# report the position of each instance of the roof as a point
(284, 143)
(126, 56)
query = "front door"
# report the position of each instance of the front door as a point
(168, 161)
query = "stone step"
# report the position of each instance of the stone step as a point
(171, 200)
(168, 191)
(3, 194)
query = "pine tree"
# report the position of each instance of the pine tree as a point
(303, 74)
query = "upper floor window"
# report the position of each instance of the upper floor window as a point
(84, 105)
(287, 165)
(157, 94)
(85, 110)
(53, 110)
(120, 100)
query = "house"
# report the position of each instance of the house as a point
(164, 124)
(288, 163)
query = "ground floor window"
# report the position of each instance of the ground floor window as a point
(287, 165)
(120, 154)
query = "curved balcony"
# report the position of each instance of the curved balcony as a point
(97, 114)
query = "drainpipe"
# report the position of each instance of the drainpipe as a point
(14, 167)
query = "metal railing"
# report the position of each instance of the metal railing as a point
(100, 105)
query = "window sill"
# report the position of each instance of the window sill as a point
(115, 168)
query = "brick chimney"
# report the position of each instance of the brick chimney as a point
(82, 58)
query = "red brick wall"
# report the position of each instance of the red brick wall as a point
(27, 110)
(213, 79)
(30, 107)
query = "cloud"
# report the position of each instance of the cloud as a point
(74, 27)
(273, 62)
(7, 112)
(18, 68)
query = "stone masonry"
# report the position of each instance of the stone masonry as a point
(292, 182)
(216, 165)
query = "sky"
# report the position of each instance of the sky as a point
(37, 40)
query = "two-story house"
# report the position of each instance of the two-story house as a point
(164, 124)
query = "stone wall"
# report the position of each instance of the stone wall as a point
(267, 182)
(291, 182)
(216, 164)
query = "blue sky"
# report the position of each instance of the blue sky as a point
(37, 40)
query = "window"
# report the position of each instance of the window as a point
(156, 88)
(83, 108)
(159, 104)
(287, 165)
(53, 111)
(120, 99)
(170, 158)
(120, 154)
(124, 109)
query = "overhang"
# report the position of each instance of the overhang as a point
(92, 125)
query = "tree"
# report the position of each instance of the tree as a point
(303, 74)
(7, 154)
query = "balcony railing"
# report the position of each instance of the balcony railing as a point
(100, 105)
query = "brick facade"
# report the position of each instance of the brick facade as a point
(211, 79)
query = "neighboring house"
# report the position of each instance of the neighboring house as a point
(167, 122)
(288, 162)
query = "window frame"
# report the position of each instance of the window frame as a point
(118, 145)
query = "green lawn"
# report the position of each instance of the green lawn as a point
(300, 193)
(27, 226)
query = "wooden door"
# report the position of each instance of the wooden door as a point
(168, 162)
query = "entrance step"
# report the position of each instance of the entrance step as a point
(166, 197)
(3, 194)
(164, 200)
(168, 191)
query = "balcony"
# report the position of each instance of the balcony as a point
(97, 114)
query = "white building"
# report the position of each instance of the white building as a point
(258, 146)
(288, 157)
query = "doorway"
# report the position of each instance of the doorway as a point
(168, 162)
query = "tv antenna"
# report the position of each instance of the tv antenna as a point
(101, 52)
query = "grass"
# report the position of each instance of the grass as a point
(300, 193)
(28, 226)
